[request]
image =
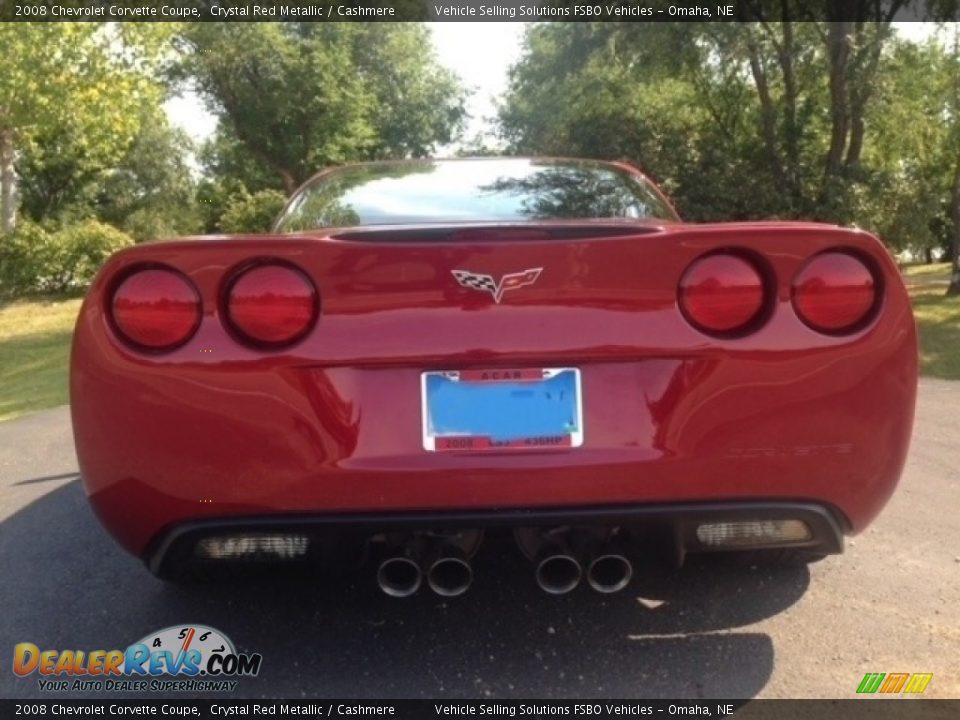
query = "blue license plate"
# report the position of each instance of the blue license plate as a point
(526, 408)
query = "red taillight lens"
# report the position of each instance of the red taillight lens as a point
(272, 304)
(834, 292)
(156, 309)
(722, 294)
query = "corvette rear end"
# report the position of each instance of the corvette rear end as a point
(594, 379)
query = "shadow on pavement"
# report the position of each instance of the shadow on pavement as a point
(47, 478)
(68, 586)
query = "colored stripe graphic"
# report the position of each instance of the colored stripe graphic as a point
(894, 682)
(918, 683)
(871, 682)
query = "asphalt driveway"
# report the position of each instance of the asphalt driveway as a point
(713, 630)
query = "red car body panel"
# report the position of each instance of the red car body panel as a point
(217, 429)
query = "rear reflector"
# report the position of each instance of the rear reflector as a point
(753, 533)
(721, 294)
(233, 547)
(834, 293)
(156, 309)
(273, 305)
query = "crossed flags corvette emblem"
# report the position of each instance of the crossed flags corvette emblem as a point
(486, 283)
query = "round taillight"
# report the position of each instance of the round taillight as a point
(156, 309)
(834, 292)
(272, 304)
(722, 294)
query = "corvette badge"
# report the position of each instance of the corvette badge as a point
(486, 283)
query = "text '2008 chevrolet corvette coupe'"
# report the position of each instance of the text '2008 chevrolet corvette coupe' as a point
(425, 353)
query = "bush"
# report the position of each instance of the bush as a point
(255, 213)
(145, 226)
(85, 247)
(36, 260)
(24, 256)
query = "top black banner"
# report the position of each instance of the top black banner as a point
(466, 10)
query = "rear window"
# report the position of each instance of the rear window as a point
(507, 190)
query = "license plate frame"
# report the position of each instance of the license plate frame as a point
(437, 440)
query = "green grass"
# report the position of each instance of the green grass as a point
(936, 271)
(938, 319)
(34, 354)
(35, 341)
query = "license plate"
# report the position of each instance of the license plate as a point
(523, 409)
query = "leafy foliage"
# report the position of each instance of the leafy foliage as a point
(907, 175)
(301, 96)
(229, 172)
(747, 120)
(83, 119)
(151, 193)
(255, 213)
(147, 190)
(36, 260)
(82, 249)
(28, 257)
(780, 115)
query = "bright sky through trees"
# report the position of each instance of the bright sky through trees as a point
(480, 53)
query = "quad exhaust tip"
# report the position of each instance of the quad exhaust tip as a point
(446, 569)
(448, 572)
(399, 576)
(558, 573)
(450, 576)
(609, 572)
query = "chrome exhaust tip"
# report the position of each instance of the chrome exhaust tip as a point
(558, 572)
(399, 576)
(609, 572)
(450, 574)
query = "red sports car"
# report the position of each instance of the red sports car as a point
(423, 352)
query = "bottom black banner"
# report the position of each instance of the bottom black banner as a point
(853, 709)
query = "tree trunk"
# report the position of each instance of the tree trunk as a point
(954, 287)
(768, 113)
(863, 82)
(838, 52)
(290, 183)
(8, 183)
(791, 131)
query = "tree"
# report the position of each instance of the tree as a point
(301, 96)
(254, 213)
(418, 104)
(954, 287)
(641, 92)
(853, 40)
(150, 192)
(145, 187)
(64, 78)
(768, 117)
(906, 165)
(224, 157)
(229, 173)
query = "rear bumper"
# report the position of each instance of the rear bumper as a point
(158, 448)
(670, 527)
(333, 426)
